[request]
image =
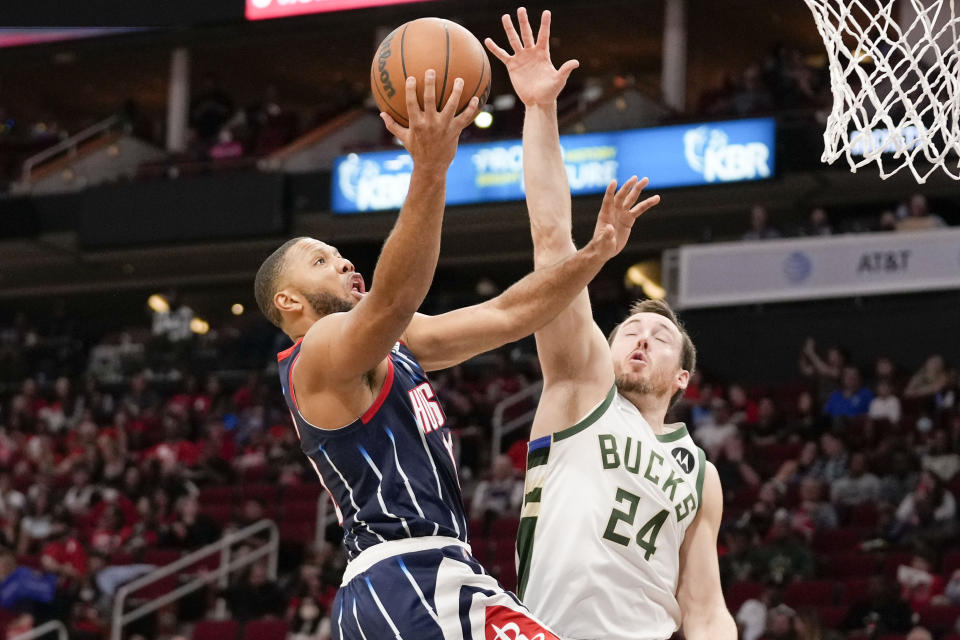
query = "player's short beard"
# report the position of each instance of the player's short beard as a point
(630, 384)
(326, 303)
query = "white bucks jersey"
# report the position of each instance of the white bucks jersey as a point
(606, 507)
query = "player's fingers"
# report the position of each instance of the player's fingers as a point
(643, 207)
(468, 114)
(497, 52)
(454, 100)
(430, 91)
(636, 191)
(392, 126)
(413, 106)
(624, 193)
(567, 68)
(525, 30)
(610, 193)
(512, 36)
(543, 35)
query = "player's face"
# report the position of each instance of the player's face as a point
(323, 277)
(646, 355)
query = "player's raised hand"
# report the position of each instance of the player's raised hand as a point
(432, 135)
(618, 212)
(532, 73)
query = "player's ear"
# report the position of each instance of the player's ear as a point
(287, 301)
(683, 379)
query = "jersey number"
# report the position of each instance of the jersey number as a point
(646, 536)
(426, 409)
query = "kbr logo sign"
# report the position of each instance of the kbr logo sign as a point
(708, 151)
(797, 267)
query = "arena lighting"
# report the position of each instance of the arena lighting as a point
(236, 309)
(158, 304)
(646, 275)
(199, 326)
(483, 120)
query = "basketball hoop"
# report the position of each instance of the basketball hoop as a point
(895, 78)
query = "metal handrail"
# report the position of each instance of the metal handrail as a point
(501, 428)
(44, 629)
(221, 573)
(68, 144)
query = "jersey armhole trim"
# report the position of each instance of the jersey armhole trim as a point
(382, 396)
(589, 420)
(702, 461)
(674, 435)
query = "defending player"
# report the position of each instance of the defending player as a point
(619, 526)
(367, 418)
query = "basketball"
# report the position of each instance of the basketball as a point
(428, 43)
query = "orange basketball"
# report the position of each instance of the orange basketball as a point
(428, 43)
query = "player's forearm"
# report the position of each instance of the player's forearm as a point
(536, 299)
(409, 256)
(546, 185)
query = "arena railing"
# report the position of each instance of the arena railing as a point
(223, 547)
(501, 427)
(68, 146)
(47, 627)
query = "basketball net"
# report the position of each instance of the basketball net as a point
(895, 78)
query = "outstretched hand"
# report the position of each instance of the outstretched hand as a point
(532, 73)
(618, 212)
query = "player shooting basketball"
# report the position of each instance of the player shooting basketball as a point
(618, 534)
(369, 422)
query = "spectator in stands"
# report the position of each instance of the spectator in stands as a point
(734, 471)
(498, 496)
(813, 513)
(880, 611)
(806, 422)
(712, 435)
(807, 625)
(916, 215)
(191, 529)
(743, 409)
(818, 224)
(760, 228)
(752, 616)
(952, 589)
(768, 428)
(834, 459)
(919, 583)
(919, 633)
(928, 513)
(78, 497)
(785, 556)
(858, 486)
(930, 380)
(10, 499)
(884, 370)
(741, 561)
(701, 410)
(939, 459)
(826, 371)
(851, 399)
(886, 222)
(308, 621)
(38, 521)
(899, 479)
(210, 109)
(256, 596)
(780, 623)
(885, 405)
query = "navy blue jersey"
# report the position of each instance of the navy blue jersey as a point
(391, 472)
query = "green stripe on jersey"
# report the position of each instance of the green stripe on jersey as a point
(525, 552)
(538, 457)
(533, 496)
(703, 467)
(590, 419)
(674, 435)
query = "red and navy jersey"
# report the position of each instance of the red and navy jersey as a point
(391, 473)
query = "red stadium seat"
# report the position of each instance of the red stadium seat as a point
(951, 563)
(265, 630)
(161, 557)
(216, 495)
(302, 492)
(216, 630)
(864, 515)
(740, 592)
(939, 619)
(894, 559)
(298, 532)
(848, 565)
(260, 491)
(810, 593)
(305, 512)
(221, 513)
(837, 540)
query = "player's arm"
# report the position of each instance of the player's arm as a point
(571, 347)
(445, 340)
(343, 346)
(705, 614)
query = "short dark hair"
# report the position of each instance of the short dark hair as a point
(265, 284)
(688, 352)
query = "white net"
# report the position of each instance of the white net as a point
(895, 77)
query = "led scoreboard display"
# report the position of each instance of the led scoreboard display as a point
(266, 9)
